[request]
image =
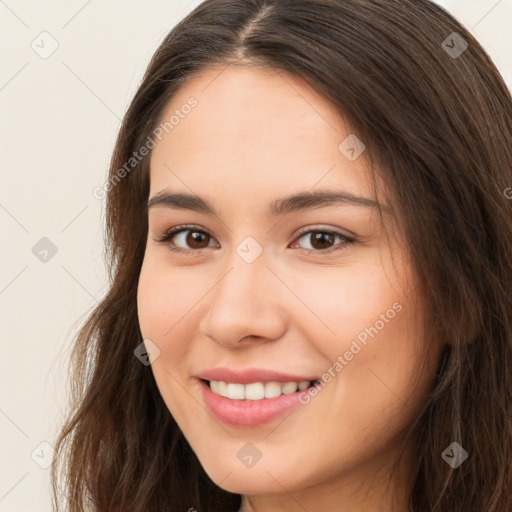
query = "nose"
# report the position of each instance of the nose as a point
(247, 305)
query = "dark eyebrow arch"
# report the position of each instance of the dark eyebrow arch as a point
(293, 203)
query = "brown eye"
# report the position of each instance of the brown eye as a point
(323, 241)
(189, 239)
(196, 239)
(186, 239)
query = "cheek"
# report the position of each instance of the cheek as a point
(368, 328)
(165, 312)
(165, 298)
(349, 302)
(171, 303)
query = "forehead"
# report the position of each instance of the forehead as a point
(254, 130)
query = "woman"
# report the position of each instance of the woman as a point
(309, 247)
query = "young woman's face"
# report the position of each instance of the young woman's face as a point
(276, 290)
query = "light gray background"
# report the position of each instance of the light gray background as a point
(59, 119)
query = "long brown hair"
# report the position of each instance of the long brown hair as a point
(436, 119)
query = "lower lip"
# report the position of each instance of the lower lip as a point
(247, 413)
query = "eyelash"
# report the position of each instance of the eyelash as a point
(169, 234)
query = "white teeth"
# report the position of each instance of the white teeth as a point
(289, 387)
(272, 389)
(235, 391)
(214, 386)
(256, 390)
(219, 387)
(223, 388)
(303, 385)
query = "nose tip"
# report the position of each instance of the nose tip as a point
(243, 305)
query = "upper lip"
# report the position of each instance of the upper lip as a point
(250, 375)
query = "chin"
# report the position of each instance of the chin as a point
(263, 478)
(250, 481)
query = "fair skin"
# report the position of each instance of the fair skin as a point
(254, 137)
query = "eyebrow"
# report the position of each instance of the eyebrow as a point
(283, 206)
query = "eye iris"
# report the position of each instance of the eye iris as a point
(325, 239)
(194, 237)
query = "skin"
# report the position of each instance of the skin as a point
(256, 136)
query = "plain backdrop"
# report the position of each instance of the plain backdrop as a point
(68, 71)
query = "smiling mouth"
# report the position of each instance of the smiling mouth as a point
(256, 390)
